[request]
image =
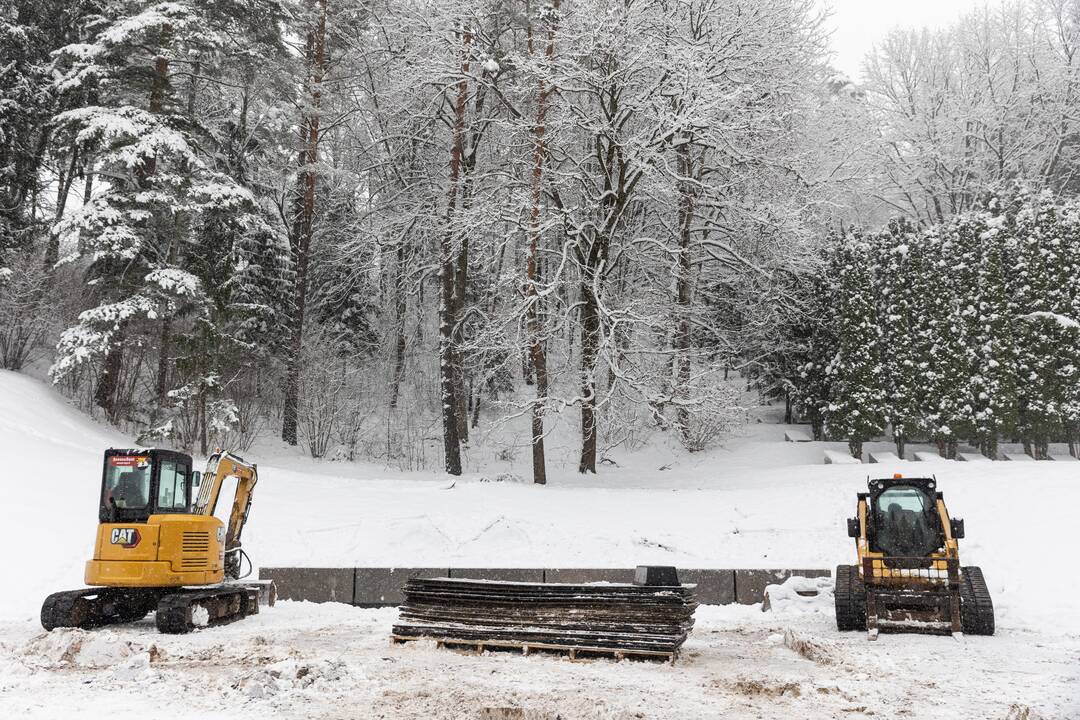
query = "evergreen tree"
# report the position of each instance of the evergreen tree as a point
(993, 390)
(899, 308)
(857, 405)
(946, 403)
(1036, 293)
(163, 199)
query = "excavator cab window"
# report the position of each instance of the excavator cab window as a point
(172, 487)
(137, 484)
(127, 483)
(905, 524)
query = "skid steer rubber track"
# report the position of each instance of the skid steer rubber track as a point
(187, 610)
(96, 607)
(976, 608)
(849, 594)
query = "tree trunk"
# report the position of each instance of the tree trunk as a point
(448, 274)
(67, 177)
(401, 306)
(855, 447)
(590, 343)
(109, 383)
(305, 219)
(537, 354)
(457, 341)
(681, 341)
(901, 442)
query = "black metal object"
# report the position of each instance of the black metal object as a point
(849, 596)
(656, 575)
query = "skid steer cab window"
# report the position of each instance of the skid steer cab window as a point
(905, 523)
(127, 482)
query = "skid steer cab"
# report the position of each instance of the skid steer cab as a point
(908, 577)
(160, 547)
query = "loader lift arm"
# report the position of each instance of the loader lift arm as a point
(219, 467)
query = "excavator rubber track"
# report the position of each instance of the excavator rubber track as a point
(188, 610)
(96, 607)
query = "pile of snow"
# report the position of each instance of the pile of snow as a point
(800, 595)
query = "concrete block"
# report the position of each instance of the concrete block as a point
(1062, 457)
(533, 575)
(311, 584)
(837, 457)
(928, 456)
(374, 587)
(883, 456)
(750, 584)
(581, 576)
(797, 436)
(971, 457)
(714, 587)
(1017, 457)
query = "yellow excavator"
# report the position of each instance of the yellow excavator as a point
(160, 546)
(909, 577)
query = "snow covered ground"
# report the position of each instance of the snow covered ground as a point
(759, 503)
(331, 661)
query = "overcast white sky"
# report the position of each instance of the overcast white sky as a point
(858, 24)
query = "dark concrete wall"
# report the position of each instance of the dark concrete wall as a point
(381, 587)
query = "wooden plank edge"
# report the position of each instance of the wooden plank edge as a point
(528, 647)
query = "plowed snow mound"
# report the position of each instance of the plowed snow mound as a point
(74, 648)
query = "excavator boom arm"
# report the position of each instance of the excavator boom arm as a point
(219, 467)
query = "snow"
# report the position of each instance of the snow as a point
(760, 502)
(1066, 323)
(299, 660)
(840, 457)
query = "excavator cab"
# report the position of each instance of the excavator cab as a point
(136, 484)
(908, 577)
(160, 546)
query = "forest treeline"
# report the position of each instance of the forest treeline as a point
(378, 229)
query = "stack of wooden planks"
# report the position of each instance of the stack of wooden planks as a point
(598, 618)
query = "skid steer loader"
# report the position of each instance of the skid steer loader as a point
(160, 547)
(909, 578)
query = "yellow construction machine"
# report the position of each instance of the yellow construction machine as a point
(160, 546)
(909, 577)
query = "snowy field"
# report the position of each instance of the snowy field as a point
(758, 503)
